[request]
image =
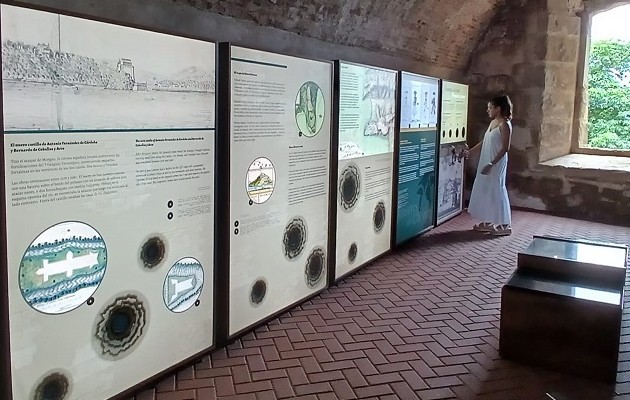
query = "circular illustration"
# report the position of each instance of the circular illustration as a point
(260, 180)
(152, 252)
(63, 267)
(258, 291)
(352, 252)
(294, 238)
(120, 326)
(310, 109)
(183, 284)
(54, 386)
(379, 217)
(349, 187)
(315, 265)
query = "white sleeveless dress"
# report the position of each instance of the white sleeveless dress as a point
(489, 201)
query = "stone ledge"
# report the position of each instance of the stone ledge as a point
(605, 169)
(592, 162)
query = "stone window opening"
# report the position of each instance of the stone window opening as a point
(602, 125)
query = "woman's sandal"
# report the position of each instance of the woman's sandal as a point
(501, 230)
(483, 227)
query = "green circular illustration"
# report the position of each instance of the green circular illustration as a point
(310, 109)
(63, 267)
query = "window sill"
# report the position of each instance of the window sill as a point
(611, 169)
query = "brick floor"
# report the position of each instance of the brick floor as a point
(422, 323)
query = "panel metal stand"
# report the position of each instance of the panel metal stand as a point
(562, 308)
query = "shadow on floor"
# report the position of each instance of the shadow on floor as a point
(444, 238)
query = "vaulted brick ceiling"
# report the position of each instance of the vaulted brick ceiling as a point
(442, 32)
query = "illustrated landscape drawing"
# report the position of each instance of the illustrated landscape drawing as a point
(65, 73)
(376, 115)
(261, 180)
(450, 183)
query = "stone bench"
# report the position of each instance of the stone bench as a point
(562, 307)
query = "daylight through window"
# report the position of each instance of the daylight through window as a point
(609, 80)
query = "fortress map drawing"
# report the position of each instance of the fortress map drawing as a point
(183, 284)
(65, 73)
(310, 109)
(63, 267)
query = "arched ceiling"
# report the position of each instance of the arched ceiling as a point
(441, 32)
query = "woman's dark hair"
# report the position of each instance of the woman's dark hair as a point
(506, 105)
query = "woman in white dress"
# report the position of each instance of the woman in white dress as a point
(489, 201)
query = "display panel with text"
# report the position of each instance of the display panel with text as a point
(453, 135)
(417, 156)
(367, 112)
(109, 179)
(280, 151)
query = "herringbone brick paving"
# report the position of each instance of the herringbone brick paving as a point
(422, 323)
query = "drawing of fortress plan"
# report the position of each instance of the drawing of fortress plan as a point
(67, 266)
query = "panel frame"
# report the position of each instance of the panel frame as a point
(462, 208)
(224, 59)
(6, 370)
(394, 242)
(333, 279)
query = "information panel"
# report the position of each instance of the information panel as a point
(454, 114)
(452, 140)
(367, 111)
(109, 155)
(280, 151)
(417, 163)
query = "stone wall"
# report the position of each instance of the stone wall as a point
(432, 37)
(534, 54)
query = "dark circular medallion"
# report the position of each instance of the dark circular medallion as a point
(53, 387)
(315, 265)
(294, 238)
(352, 253)
(349, 187)
(120, 322)
(379, 217)
(258, 291)
(152, 252)
(120, 326)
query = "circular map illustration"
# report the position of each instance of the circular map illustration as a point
(310, 109)
(183, 284)
(260, 180)
(62, 268)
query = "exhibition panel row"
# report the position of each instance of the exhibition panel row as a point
(145, 223)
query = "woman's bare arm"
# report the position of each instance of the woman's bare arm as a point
(506, 139)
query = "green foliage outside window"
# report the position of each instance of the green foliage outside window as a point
(609, 95)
